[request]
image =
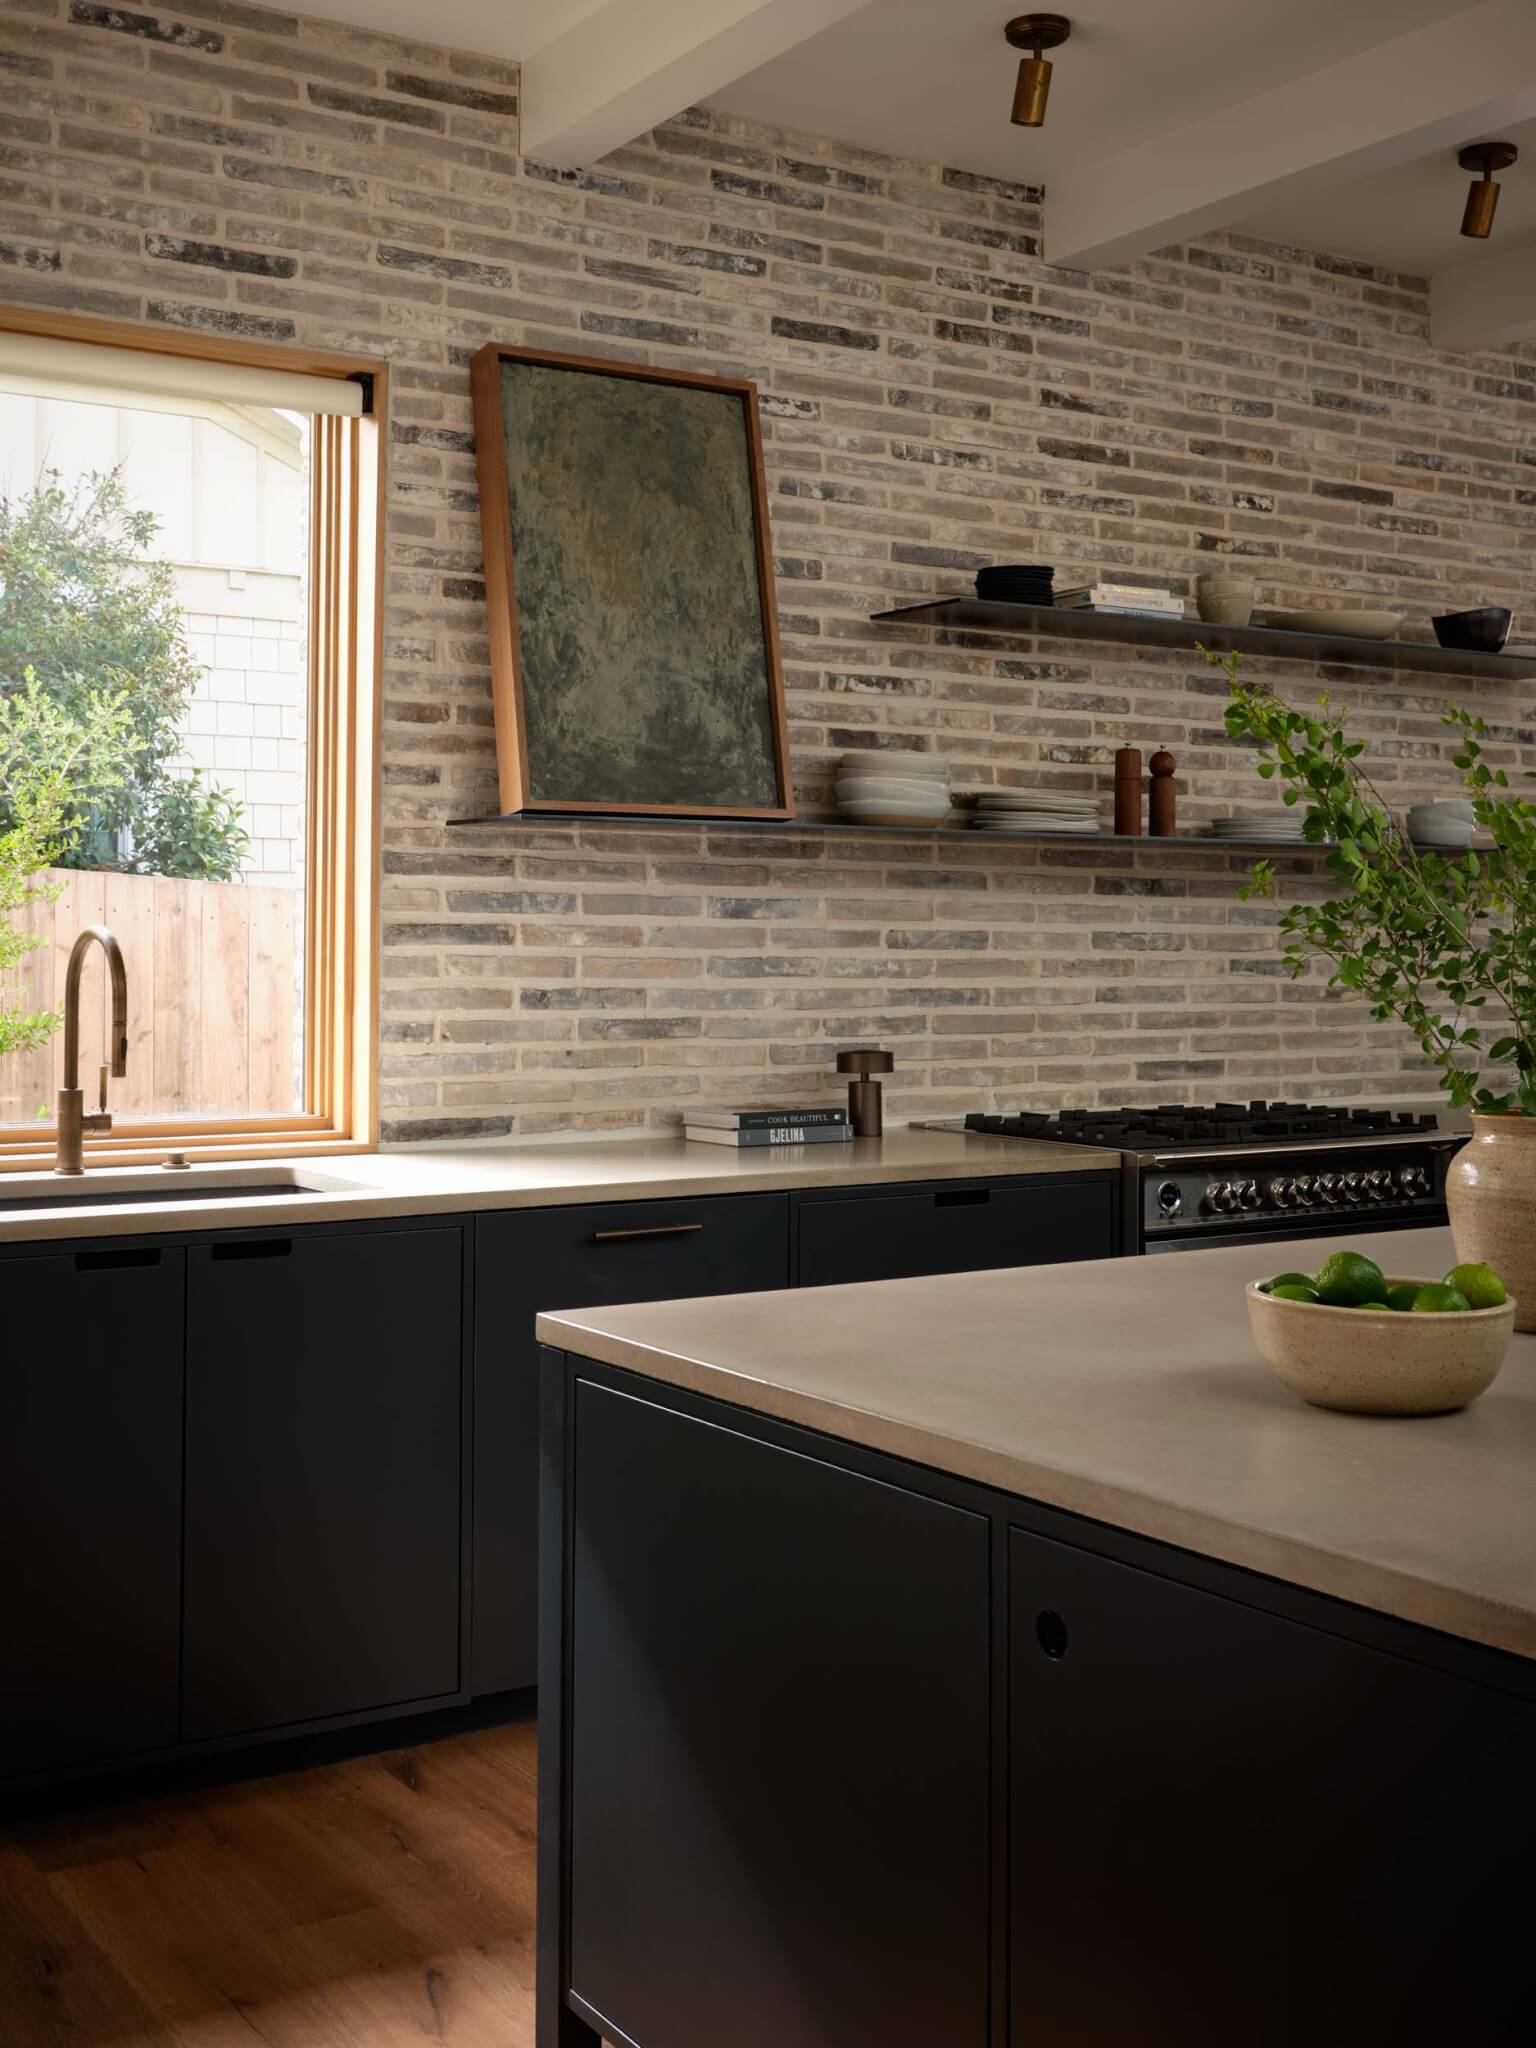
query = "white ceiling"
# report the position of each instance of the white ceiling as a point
(925, 81)
(514, 29)
(932, 80)
(1409, 219)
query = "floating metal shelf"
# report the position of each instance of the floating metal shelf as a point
(989, 615)
(1187, 841)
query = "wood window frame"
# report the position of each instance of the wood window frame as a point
(341, 891)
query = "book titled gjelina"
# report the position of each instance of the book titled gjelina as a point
(745, 1128)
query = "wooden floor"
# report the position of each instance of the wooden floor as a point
(373, 1903)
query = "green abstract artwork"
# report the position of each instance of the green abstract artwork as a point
(645, 663)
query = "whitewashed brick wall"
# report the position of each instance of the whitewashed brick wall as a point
(935, 396)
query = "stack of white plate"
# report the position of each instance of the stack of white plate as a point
(1447, 824)
(1268, 828)
(893, 789)
(1035, 813)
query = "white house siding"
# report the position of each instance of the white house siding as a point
(226, 483)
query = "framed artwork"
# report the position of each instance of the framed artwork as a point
(629, 579)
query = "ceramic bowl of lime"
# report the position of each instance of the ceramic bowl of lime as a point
(1350, 1336)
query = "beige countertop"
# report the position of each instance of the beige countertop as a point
(452, 1179)
(1129, 1391)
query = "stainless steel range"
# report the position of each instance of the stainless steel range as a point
(1256, 1172)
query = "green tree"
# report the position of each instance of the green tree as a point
(1447, 946)
(87, 609)
(49, 759)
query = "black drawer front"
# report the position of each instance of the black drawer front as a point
(632, 1251)
(959, 1227)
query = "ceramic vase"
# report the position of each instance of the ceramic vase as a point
(1224, 600)
(1490, 1189)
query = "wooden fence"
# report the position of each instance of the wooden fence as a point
(213, 997)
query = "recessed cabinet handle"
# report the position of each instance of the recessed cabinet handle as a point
(106, 1262)
(650, 1230)
(263, 1248)
(961, 1198)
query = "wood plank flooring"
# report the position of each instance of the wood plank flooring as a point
(379, 1902)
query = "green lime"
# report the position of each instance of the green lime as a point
(1480, 1284)
(1294, 1292)
(1403, 1294)
(1287, 1280)
(1382, 1305)
(1346, 1279)
(1436, 1300)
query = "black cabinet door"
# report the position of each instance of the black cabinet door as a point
(953, 1227)
(324, 1447)
(528, 1260)
(1277, 1835)
(90, 1504)
(779, 1763)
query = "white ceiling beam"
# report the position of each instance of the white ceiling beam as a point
(624, 69)
(1485, 305)
(1459, 79)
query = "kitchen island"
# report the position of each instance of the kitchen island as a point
(1008, 1658)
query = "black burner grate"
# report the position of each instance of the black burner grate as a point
(1194, 1125)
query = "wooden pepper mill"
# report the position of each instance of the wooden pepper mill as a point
(1162, 800)
(1128, 792)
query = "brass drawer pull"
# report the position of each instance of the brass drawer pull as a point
(650, 1230)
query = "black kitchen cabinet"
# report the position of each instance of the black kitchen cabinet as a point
(90, 1503)
(1270, 1828)
(325, 1392)
(528, 1260)
(779, 1743)
(953, 1227)
(784, 1695)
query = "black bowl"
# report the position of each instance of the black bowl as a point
(1483, 631)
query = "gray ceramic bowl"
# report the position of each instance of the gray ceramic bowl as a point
(1380, 1361)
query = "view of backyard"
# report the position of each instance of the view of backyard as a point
(152, 743)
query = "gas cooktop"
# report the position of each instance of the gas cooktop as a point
(1191, 1126)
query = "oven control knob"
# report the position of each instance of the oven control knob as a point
(1282, 1192)
(1170, 1199)
(1305, 1188)
(1381, 1183)
(1222, 1196)
(1328, 1187)
(1249, 1196)
(1354, 1187)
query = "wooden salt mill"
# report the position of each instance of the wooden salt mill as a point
(1128, 792)
(1162, 799)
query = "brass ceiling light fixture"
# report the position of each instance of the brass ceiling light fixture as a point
(1483, 199)
(1035, 32)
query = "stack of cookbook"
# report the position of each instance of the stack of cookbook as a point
(1122, 600)
(746, 1128)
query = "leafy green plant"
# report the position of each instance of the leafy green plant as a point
(1430, 940)
(87, 609)
(49, 758)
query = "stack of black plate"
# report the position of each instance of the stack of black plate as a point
(1016, 583)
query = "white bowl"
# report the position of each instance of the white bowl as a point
(924, 788)
(1380, 1361)
(1354, 625)
(876, 762)
(872, 812)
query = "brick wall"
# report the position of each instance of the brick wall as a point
(934, 397)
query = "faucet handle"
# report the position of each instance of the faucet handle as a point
(102, 1104)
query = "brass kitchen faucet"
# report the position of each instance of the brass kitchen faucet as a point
(73, 1120)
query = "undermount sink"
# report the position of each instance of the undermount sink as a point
(117, 1186)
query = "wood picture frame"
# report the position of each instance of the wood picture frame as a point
(548, 673)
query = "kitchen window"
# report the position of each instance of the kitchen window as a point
(189, 545)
